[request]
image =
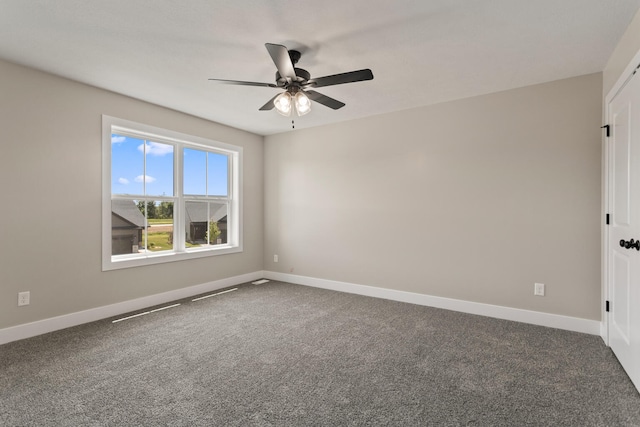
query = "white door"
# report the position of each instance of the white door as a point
(624, 253)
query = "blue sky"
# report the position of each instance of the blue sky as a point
(204, 172)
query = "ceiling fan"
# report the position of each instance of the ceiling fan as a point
(298, 84)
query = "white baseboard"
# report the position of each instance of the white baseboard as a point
(575, 324)
(28, 330)
(39, 327)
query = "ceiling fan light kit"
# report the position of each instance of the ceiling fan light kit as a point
(297, 83)
(285, 103)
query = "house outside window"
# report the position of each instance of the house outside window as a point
(127, 223)
(167, 196)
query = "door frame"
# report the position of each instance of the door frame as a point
(606, 197)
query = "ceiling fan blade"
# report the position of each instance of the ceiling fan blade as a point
(338, 79)
(280, 56)
(241, 83)
(269, 105)
(324, 100)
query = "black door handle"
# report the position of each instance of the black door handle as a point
(630, 244)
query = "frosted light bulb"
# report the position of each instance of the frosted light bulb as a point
(303, 104)
(283, 103)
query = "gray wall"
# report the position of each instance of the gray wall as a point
(50, 219)
(474, 199)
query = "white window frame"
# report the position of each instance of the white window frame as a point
(180, 141)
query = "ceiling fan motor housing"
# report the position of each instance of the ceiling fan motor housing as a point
(302, 77)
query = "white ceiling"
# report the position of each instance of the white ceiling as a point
(421, 51)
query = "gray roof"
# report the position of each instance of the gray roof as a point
(197, 212)
(127, 210)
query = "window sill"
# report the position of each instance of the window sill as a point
(161, 258)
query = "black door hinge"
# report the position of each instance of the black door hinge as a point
(607, 127)
(607, 220)
(606, 306)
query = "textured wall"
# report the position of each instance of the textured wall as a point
(474, 199)
(50, 219)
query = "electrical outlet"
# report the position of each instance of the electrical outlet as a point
(538, 289)
(24, 298)
(275, 258)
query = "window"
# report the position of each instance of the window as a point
(167, 196)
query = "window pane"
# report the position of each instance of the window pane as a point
(127, 165)
(159, 174)
(217, 175)
(159, 235)
(205, 223)
(196, 223)
(217, 223)
(127, 226)
(195, 172)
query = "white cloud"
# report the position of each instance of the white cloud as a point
(156, 149)
(117, 139)
(123, 181)
(144, 178)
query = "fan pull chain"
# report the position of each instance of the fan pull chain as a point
(293, 125)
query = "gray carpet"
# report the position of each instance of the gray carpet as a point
(287, 355)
